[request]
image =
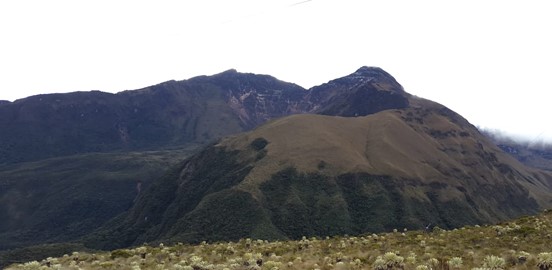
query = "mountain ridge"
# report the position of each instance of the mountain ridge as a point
(371, 184)
(537, 154)
(168, 117)
(403, 167)
(174, 113)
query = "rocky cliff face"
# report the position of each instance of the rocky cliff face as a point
(255, 99)
(366, 91)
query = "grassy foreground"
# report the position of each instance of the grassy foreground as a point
(525, 243)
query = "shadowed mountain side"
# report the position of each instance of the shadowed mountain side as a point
(366, 91)
(326, 175)
(61, 199)
(531, 153)
(194, 111)
(540, 158)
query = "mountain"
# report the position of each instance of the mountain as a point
(366, 91)
(70, 162)
(169, 114)
(355, 154)
(408, 163)
(61, 199)
(178, 113)
(533, 154)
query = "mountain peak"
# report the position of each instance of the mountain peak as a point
(367, 69)
(230, 71)
(371, 72)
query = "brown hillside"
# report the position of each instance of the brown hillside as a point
(407, 166)
(426, 144)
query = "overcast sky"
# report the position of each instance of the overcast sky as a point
(488, 60)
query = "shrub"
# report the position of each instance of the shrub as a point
(494, 262)
(411, 259)
(455, 263)
(121, 253)
(379, 264)
(522, 257)
(393, 260)
(433, 263)
(31, 265)
(544, 260)
(259, 143)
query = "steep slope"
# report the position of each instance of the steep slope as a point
(61, 199)
(176, 113)
(169, 114)
(401, 161)
(366, 91)
(40, 193)
(325, 175)
(537, 155)
(254, 98)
